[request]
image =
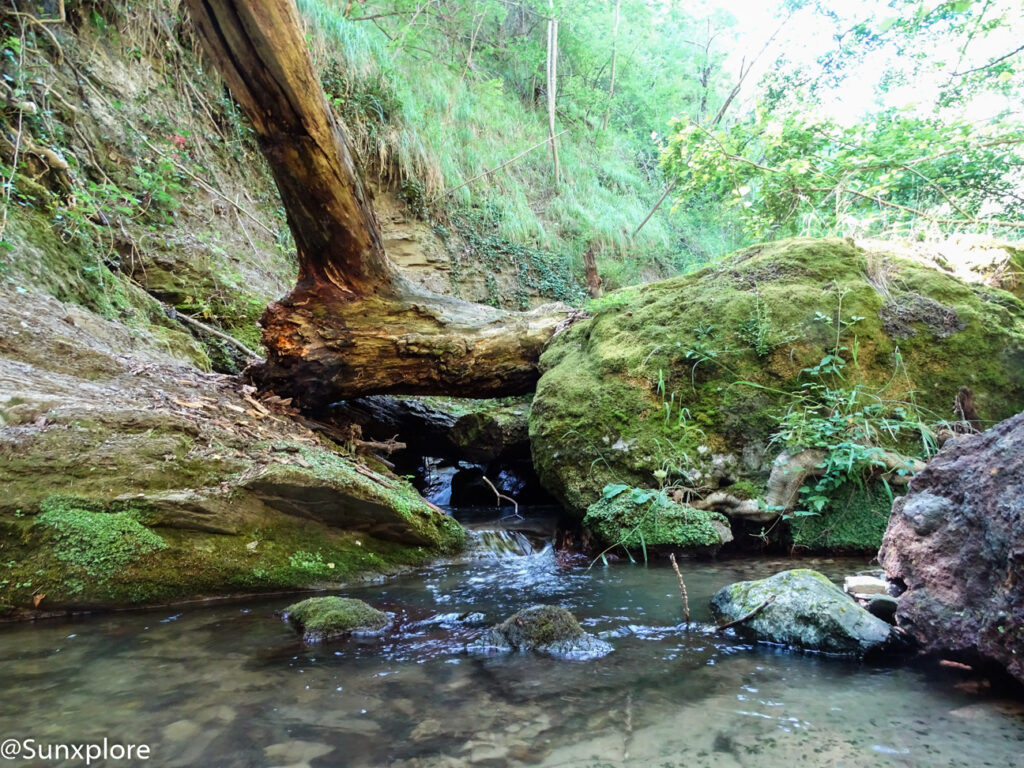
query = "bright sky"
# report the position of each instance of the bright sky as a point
(808, 35)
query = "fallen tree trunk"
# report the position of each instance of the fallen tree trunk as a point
(352, 325)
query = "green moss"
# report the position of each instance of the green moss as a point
(745, 489)
(540, 625)
(671, 379)
(638, 519)
(854, 520)
(99, 543)
(322, 618)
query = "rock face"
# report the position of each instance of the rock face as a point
(956, 541)
(638, 519)
(131, 477)
(544, 628)
(694, 376)
(805, 610)
(325, 618)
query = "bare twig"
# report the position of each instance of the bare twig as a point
(654, 208)
(498, 168)
(748, 617)
(682, 589)
(177, 315)
(211, 189)
(501, 496)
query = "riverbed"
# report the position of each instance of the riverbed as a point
(228, 685)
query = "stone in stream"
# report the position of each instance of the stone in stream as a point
(864, 586)
(325, 618)
(804, 609)
(884, 607)
(545, 628)
(956, 541)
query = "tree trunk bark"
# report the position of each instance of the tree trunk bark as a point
(552, 78)
(595, 284)
(352, 325)
(615, 50)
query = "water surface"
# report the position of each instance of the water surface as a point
(229, 686)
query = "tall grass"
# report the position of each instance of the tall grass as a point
(417, 119)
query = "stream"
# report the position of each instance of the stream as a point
(228, 685)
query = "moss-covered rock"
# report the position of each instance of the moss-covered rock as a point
(486, 434)
(325, 618)
(130, 478)
(543, 628)
(697, 376)
(802, 609)
(637, 519)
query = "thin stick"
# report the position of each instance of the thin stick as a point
(654, 208)
(214, 332)
(498, 168)
(212, 190)
(748, 617)
(682, 589)
(502, 496)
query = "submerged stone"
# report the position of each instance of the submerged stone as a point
(544, 628)
(325, 618)
(802, 609)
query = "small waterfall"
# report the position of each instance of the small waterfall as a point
(500, 543)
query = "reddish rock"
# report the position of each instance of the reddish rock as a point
(957, 542)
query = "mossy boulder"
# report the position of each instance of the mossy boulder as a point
(324, 618)
(130, 478)
(489, 433)
(545, 629)
(639, 519)
(802, 609)
(707, 377)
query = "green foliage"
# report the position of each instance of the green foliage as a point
(794, 173)
(759, 332)
(638, 518)
(852, 423)
(950, 160)
(98, 542)
(435, 99)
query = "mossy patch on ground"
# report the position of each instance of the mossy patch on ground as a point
(854, 520)
(100, 543)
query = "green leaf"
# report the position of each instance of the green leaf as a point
(613, 489)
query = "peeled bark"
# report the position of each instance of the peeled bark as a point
(352, 325)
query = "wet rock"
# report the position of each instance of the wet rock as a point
(544, 628)
(865, 586)
(638, 519)
(884, 607)
(956, 541)
(803, 609)
(325, 618)
(485, 435)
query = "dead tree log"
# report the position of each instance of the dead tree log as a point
(352, 325)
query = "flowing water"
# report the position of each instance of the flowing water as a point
(229, 685)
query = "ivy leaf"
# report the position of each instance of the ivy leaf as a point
(613, 489)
